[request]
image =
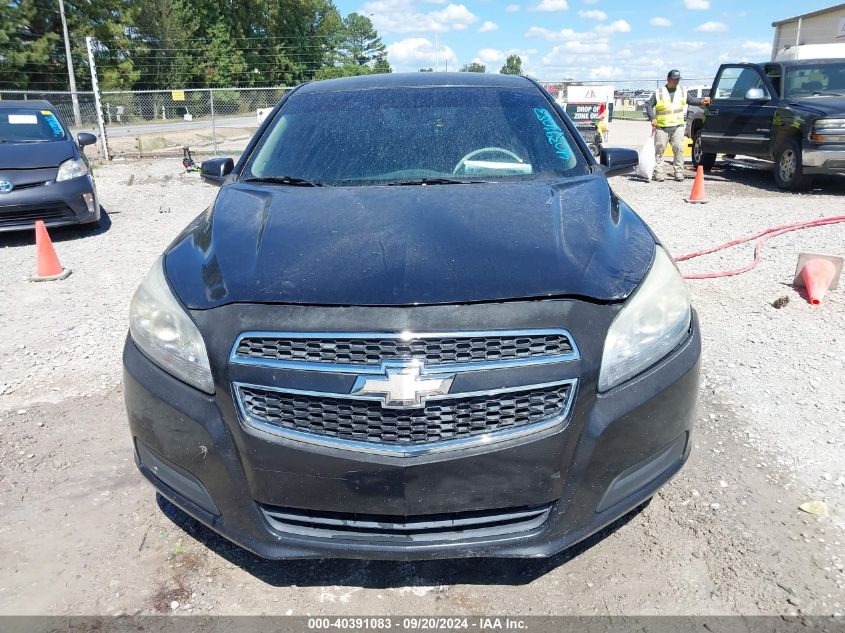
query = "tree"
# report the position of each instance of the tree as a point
(358, 42)
(473, 67)
(426, 70)
(513, 66)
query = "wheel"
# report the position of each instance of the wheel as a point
(698, 157)
(789, 171)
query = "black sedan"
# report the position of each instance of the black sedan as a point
(415, 323)
(44, 175)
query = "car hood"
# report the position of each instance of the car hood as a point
(410, 245)
(35, 155)
(823, 106)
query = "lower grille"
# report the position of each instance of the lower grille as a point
(19, 214)
(438, 421)
(423, 528)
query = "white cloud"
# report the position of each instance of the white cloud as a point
(399, 16)
(512, 8)
(761, 48)
(697, 5)
(595, 14)
(552, 5)
(658, 21)
(491, 55)
(456, 16)
(712, 27)
(411, 53)
(619, 26)
(488, 26)
(606, 72)
(690, 46)
(556, 36)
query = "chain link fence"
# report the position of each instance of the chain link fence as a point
(162, 122)
(63, 102)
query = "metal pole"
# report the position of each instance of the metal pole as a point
(436, 53)
(71, 78)
(213, 127)
(95, 86)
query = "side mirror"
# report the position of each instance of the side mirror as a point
(215, 170)
(85, 138)
(755, 94)
(616, 160)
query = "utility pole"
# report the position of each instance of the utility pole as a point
(95, 86)
(436, 53)
(71, 79)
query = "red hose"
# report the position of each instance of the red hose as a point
(768, 233)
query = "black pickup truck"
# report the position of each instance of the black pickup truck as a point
(792, 113)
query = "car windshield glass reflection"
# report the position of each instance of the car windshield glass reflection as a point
(817, 80)
(26, 125)
(423, 136)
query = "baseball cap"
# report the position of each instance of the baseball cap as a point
(674, 74)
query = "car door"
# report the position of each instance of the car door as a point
(733, 122)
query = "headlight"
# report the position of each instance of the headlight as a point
(164, 332)
(651, 324)
(828, 130)
(829, 124)
(73, 168)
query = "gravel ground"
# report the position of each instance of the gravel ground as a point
(83, 533)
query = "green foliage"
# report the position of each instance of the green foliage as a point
(513, 66)
(174, 44)
(473, 67)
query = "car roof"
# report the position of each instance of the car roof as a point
(20, 103)
(416, 80)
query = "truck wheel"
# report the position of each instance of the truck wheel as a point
(698, 157)
(789, 172)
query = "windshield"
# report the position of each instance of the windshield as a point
(28, 125)
(816, 80)
(431, 135)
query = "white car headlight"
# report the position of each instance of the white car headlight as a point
(651, 324)
(72, 168)
(165, 333)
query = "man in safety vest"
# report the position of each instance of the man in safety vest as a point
(667, 111)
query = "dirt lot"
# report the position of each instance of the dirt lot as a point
(82, 533)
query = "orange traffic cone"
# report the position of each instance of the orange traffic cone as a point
(818, 273)
(47, 266)
(697, 195)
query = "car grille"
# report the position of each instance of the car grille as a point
(20, 214)
(438, 421)
(437, 527)
(432, 350)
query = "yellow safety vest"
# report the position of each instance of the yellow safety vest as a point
(670, 112)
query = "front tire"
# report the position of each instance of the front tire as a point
(698, 156)
(789, 170)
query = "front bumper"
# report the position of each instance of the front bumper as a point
(827, 160)
(616, 451)
(56, 203)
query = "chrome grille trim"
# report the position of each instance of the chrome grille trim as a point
(376, 368)
(404, 450)
(424, 528)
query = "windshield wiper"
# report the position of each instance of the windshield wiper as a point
(292, 181)
(829, 94)
(434, 181)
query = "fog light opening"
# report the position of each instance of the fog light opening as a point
(89, 201)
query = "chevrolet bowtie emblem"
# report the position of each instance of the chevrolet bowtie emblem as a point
(404, 384)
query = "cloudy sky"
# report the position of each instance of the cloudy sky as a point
(581, 39)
